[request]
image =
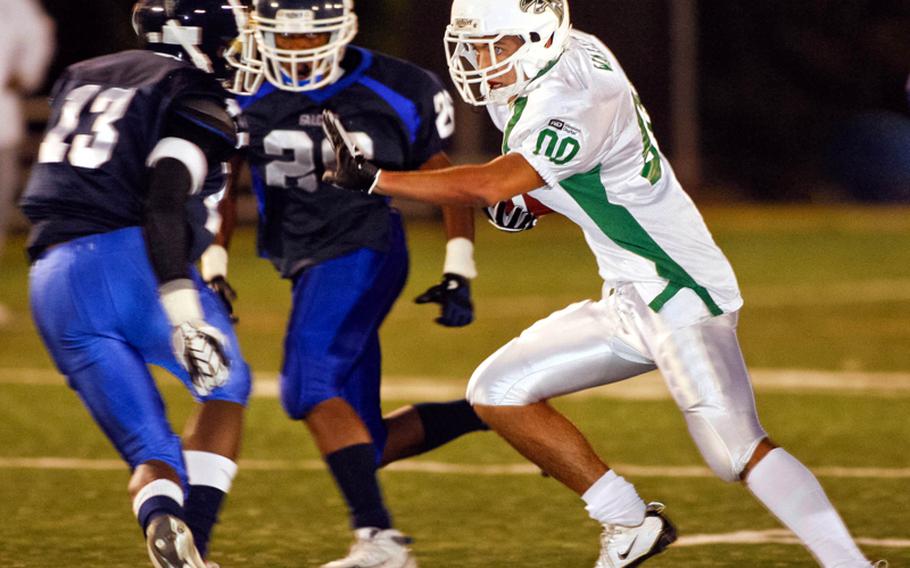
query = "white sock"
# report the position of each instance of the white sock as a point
(613, 501)
(790, 491)
(212, 470)
(158, 488)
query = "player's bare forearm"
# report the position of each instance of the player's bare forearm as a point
(458, 219)
(474, 185)
(228, 206)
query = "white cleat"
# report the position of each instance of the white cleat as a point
(170, 544)
(880, 564)
(631, 546)
(375, 548)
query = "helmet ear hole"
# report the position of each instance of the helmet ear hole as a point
(535, 37)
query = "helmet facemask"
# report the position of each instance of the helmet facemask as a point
(477, 25)
(299, 70)
(243, 56)
(473, 82)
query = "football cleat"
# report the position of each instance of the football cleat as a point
(375, 548)
(631, 546)
(170, 544)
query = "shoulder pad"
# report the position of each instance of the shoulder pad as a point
(210, 114)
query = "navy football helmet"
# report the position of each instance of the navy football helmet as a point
(313, 67)
(200, 31)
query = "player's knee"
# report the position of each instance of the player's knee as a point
(299, 399)
(240, 384)
(722, 466)
(492, 385)
(725, 449)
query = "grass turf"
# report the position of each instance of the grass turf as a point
(825, 288)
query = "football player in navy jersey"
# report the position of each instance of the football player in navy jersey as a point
(121, 202)
(346, 255)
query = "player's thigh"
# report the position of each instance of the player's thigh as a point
(707, 377)
(73, 309)
(121, 396)
(338, 307)
(571, 350)
(143, 323)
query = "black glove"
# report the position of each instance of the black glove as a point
(223, 289)
(454, 295)
(352, 170)
(510, 216)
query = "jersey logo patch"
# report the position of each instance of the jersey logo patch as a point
(557, 124)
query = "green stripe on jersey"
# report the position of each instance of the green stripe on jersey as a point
(518, 109)
(617, 223)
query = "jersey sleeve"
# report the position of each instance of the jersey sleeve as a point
(206, 122)
(561, 136)
(437, 121)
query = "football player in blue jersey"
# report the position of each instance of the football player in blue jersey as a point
(346, 255)
(121, 202)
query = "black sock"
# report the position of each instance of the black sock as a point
(155, 507)
(445, 421)
(354, 469)
(202, 506)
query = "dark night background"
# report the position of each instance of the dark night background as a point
(798, 99)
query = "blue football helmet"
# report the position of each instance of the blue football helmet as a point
(199, 31)
(303, 69)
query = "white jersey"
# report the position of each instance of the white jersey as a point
(583, 128)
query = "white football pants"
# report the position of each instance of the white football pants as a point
(590, 344)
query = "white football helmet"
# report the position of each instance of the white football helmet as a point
(281, 67)
(543, 25)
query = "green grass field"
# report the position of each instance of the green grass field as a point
(827, 289)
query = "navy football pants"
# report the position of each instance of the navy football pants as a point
(332, 344)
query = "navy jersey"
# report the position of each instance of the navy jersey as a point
(399, 114)
(108, 114)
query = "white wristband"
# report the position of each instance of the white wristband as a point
(180, 301)
(214, 263)
(460, 258)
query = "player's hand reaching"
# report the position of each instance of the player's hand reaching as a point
(223, 289)
(213, 265)
(453, 295)
(352, 170)
(198, 347)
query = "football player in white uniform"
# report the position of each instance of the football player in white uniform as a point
(577, 138)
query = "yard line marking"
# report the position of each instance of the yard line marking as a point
(433, 467)
(775, 536)
(649, 386)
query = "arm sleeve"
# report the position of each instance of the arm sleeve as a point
(563, 138)
(199, 134)
(437, 121)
